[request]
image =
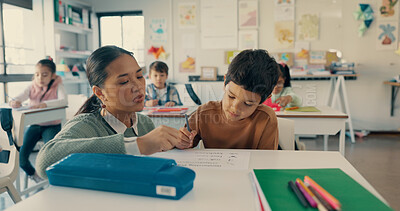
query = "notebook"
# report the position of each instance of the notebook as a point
(352, 196)
(302, 110)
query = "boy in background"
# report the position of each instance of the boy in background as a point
(159, 93)
(240, 120)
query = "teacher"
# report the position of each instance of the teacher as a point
(108, 121)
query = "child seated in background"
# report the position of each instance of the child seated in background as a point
(46, 90)
(240, 120)
(159, 93)
(283, 94)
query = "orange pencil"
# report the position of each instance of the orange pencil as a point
(292, 108)
(327, 196)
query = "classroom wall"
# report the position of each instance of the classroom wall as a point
(369, 98)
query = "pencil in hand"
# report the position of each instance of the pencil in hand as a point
(187, 122)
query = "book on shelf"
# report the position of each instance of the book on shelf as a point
(274, 191)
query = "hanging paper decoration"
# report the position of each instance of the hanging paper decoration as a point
(366, 14)
(158, 52)
(398, 51)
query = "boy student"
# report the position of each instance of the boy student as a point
(240, 120)
(159, 93)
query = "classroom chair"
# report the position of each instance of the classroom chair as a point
(286, 133)
(187, 94)
(74, 103)
(8, 169)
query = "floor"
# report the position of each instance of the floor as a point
(376, 157)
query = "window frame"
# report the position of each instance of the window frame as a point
(121, 14)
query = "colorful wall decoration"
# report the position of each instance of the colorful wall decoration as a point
(364, 13)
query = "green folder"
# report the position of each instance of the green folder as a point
(352, 196)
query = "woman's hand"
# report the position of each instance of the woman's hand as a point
(163, 138)
(40, 105)
(284, 100)
(186, 138)
(15, 104)
(169, 104)
(151, 103)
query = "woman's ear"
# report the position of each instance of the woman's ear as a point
(99, 93)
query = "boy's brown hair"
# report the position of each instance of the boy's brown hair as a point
(159, 66)
(255, 71)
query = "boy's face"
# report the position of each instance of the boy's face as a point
(279, 86)
(239, 103)
(158, 79)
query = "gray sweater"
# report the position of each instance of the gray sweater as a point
(86, 133)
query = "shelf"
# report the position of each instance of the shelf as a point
(73, 54)
(75, 81)
(71, 28)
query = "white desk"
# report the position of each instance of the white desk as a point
(328, 122)
(337, 95)
(214, 189)
(170, 119)
(23, 118)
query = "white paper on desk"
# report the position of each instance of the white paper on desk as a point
(23, 107)
(215, 159)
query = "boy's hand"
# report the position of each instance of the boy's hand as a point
(151, 103)
(41, 105)
(186, 138)
(15, 104)
(284, 100)
(169, 104)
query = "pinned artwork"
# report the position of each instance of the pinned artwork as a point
(158, 31)
(387, 35)
(285, 57)
(308, 27)
(187, 15)
(248, 14)
(229, 55)
(284, 34)
(389, 10)
(284, 2)
(398, 50)
(248, 39)
(188, 65)
(158, 53)
(302, 51)
(317, 57)
(331, 57)
(366, 15)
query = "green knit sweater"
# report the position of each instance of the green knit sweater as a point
(86, 133)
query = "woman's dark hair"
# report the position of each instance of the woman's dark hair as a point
(285, 73)
(48, 63)
(255, 71)
(96, 73)
(159, 66)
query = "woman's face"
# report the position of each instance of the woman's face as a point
(124, 88)
(279, 86)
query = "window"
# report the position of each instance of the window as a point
(124, 29)
(23, 46)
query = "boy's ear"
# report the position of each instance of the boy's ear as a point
(99, 93)
(269, 97)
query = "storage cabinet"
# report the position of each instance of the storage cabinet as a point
(73, 43)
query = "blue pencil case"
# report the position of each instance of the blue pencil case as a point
(147, 176)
